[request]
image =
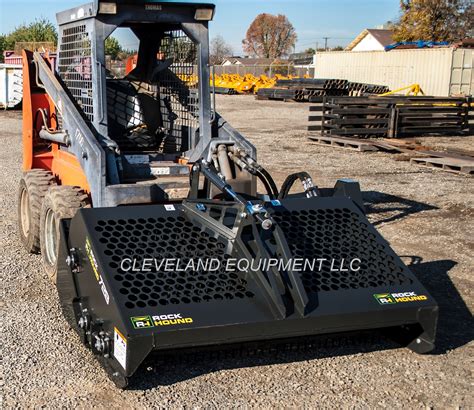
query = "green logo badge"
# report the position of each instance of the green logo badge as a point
(141, 322)
(385, 298)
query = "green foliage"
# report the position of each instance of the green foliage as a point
(2, 46)
(40, 30)
(112, 48)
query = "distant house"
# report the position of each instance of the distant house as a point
(247, 61)
(301, 59)
(371, 40)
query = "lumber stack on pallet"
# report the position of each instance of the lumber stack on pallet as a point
(314, 89)
(390, 117)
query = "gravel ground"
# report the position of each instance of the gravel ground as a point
(426, 215)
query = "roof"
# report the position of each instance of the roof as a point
(301, 58)
(384, 37)
(466, 43)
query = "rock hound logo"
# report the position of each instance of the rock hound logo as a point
(141, 322)
(145, 322)
(393, 298)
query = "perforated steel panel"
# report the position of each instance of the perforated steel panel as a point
(75, 66)
(166, 238)
(339, 235)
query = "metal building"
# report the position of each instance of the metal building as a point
(439, 71)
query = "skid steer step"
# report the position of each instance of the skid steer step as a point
(356, 281)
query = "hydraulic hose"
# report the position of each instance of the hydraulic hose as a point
(266, 185)
(254, 171)
(306, 180)
(270, 180)
(256, 211)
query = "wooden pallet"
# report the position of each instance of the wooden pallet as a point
(348, 143)
(459, 166)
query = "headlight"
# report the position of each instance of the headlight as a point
(108, 8)
(204, 14)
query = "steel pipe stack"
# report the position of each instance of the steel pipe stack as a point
(314, 89)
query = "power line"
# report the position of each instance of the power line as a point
(312, 41)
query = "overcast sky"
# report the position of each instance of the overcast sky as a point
(340, 20)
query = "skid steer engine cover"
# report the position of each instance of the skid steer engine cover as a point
(195, 275)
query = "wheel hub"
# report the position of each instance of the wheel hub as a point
(25, 213)
(50, 237)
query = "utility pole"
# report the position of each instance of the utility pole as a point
(326, 43)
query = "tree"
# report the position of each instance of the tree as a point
(219, 50)
(112, 47)
(434, 20)
(270, 36)
(40, 30)
(2, 46)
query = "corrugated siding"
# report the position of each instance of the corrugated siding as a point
(431, 68)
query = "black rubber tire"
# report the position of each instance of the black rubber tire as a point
(61, 202)
(35, 185)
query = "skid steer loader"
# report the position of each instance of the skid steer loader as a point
(143, 202)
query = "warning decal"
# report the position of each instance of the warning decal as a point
(120, 348)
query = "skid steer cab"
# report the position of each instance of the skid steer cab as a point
(143, 203)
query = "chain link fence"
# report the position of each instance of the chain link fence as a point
(268, 70)
(117, 68)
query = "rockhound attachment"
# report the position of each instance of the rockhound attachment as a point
(133, 280)
(144, 202)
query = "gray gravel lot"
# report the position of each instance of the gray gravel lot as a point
(426, 215)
